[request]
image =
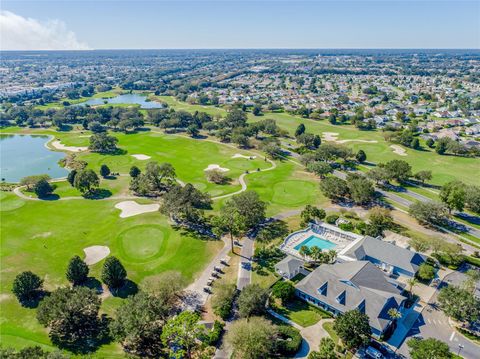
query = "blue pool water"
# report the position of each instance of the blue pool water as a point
(313, 241)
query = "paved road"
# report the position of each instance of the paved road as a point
(398, 199)
(245, 268)
(433, 323)
(406, 203)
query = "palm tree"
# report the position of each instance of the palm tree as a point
(394, 314)
(411, 283)
(305, 251)
(331, 255)
(316, 253)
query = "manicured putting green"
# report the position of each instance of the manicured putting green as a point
(292, 192)
(142, 243)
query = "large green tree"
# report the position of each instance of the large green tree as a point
(26, 286)
(113, 273)
(459, 303)
(252, 300)
(429, 348)
(77, 271)
(86, 181)
(182, 333)
(452, 195)
(254, 338)
(71, 314)
(103, 143)
(353, 328)
(138, 324)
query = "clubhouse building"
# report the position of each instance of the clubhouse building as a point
(365, 275)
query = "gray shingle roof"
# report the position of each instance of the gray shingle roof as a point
(360, 281)
(387, 253)
(288, 265)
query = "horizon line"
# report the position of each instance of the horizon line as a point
(247, 48)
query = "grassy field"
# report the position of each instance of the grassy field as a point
(43, 235)
(444, 168)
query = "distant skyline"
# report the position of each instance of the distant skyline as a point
(110, 24)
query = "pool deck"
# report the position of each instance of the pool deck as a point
(324, 231)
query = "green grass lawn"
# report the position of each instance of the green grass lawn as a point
(444, 168)
(301, 312)
(328, 326)
(43, 235)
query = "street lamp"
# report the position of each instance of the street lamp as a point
(460, 347)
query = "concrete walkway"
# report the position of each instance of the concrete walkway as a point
(311, 335)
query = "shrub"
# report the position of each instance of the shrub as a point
(222, 300)
(213, 336)
(331, 218)
(346, 227)
(283, 290)
(289, 340)
(426, 272)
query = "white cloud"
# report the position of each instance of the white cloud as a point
(20, 33)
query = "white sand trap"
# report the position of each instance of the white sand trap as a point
(141, 157)
(238, 155)
(132, 208)
(42, 235)
(398, 150)
(216, 167)
(363, 141)
(330, 136)
(95, 254)
(58, 145)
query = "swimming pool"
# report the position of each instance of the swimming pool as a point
(313, 241)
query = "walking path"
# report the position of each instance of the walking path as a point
(311, 335)
(241, 180)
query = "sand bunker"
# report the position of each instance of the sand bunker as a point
(132, 208)
(398, 150)
(95, 254)
(216, 167)
(42, 235)
(141, 157)
(363, 141)
(330, 136)
(333, 137)
(58, 145)
(238, 155)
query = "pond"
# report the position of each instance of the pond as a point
(127, 98)
(25, 155)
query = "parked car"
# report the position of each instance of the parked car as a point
(374, 353)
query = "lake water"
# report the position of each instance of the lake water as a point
(25, 155)
(127, 98)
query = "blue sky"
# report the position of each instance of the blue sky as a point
(110, 24)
